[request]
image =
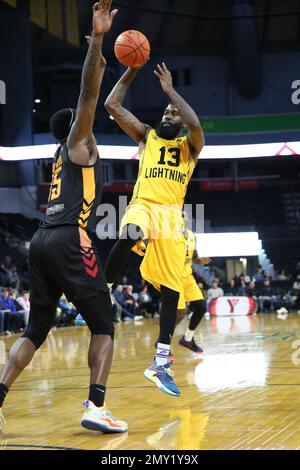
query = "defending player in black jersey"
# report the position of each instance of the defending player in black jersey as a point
(62, 256)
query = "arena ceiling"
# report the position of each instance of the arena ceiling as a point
(180, 26)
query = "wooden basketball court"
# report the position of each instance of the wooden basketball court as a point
(243, 394)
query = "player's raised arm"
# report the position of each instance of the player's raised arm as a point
(81, 143)
(130, 124)
(191, 121)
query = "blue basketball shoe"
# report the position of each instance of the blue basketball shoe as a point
(79, 321)
(162, 377)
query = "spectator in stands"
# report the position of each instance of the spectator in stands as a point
(2, 316)
(155, 299)
(145, 302)
(13, 277)
(247, 288)
(237, 279)
(3, 312)
(18, 319)
(252, 287)
(142, 285)
(215, 291)
(8, 307)
(259, 275)
(24, 301)
(131, 304)
(119, 296)
(124, 281)
(282, 276)
(231, 289)
(203, 287)
(1, 322)
(266, 299)
(293, 296)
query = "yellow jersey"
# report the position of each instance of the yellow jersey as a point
(190, 248)
(165, 170)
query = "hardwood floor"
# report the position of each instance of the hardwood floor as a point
(244, 393)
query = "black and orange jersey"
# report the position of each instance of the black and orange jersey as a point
(75, 193)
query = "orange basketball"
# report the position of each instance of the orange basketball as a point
(132, 49)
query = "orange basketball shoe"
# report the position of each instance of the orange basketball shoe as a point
(100, 419)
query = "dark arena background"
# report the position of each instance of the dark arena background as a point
(237, 63)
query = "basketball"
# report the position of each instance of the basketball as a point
(132, 49)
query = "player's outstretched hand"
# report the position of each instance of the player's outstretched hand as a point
(165, 77)
(102, 17)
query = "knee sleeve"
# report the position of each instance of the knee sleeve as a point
(97, 313)
(41, 320)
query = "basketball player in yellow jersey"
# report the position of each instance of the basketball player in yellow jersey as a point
(167, 161)
(191, 293)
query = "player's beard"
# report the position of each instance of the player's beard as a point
(168, 132)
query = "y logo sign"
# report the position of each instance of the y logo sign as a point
(232, 303)
(2, 92)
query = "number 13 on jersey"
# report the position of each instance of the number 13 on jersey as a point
(174, 153)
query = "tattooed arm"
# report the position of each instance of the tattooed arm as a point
(124, 118)
(190, 119)
(81, 142)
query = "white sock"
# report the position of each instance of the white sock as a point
(162, 354)
(189, 335)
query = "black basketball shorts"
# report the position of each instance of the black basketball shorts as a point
(64, 260)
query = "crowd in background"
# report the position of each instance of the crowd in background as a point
(280, 294)
(133, 299)
(129, 305)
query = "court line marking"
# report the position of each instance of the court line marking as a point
(35, 446)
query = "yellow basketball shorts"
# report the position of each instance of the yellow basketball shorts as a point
(164, 258)
(191, 292)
